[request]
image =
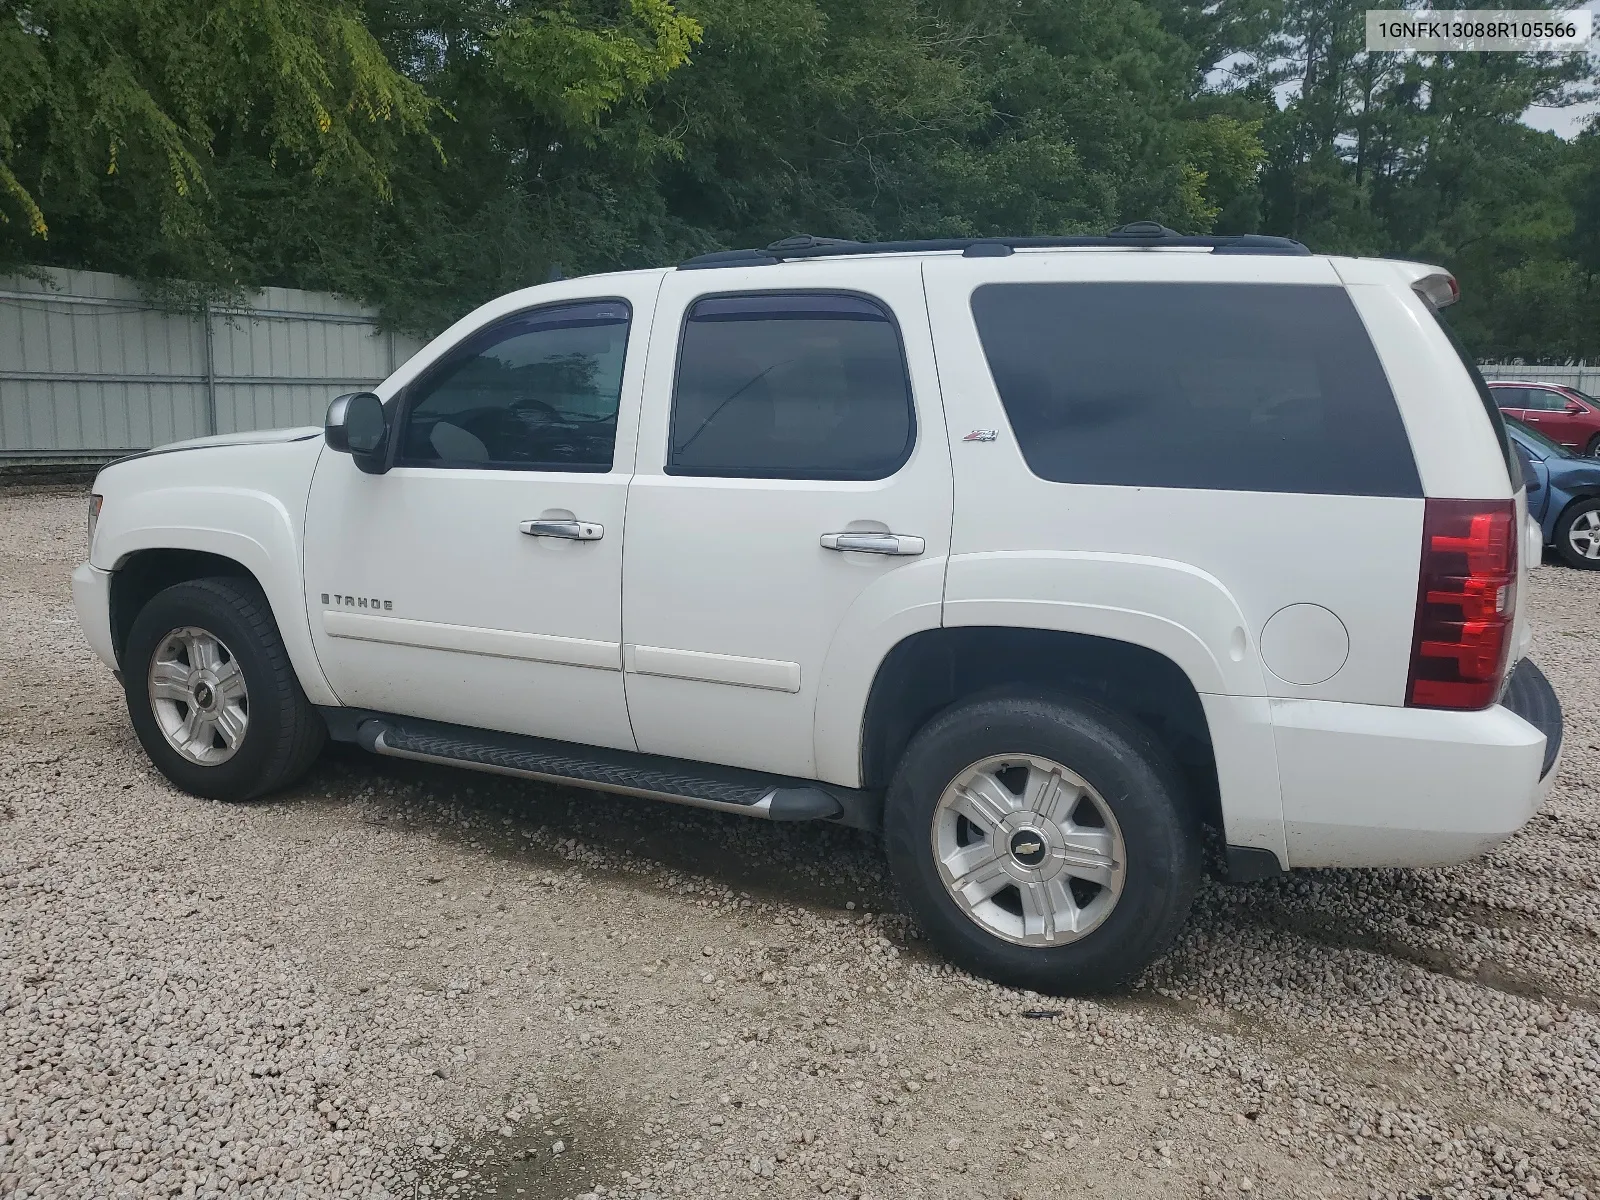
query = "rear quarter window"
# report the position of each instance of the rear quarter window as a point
(1243, 387)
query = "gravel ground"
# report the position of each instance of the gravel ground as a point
(399, 981)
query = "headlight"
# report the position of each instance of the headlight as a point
(94, 516)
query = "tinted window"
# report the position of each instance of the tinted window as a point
(1253, 387)
(1527, 436)
(1544, 400)
(797, 386)
(538, 391)
(1506, 397)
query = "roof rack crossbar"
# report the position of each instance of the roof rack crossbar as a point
(1140, 234)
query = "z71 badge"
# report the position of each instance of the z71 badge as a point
(335, 600)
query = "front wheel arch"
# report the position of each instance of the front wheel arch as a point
(246, 675)
(144, 573)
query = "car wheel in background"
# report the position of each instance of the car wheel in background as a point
(1578, 534)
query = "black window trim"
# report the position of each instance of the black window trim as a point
(913, 430)
(475, 343)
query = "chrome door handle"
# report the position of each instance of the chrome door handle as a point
(874, 543)
(573, 531)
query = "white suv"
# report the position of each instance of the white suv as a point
(1038, 555)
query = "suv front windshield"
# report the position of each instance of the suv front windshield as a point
(1553, 449)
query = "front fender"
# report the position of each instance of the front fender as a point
(257, 528)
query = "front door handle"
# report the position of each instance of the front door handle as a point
(874, 543)
(573, 531)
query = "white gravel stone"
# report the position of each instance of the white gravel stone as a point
(393, 982)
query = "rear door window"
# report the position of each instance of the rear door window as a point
(796, 385)
(1244, 387)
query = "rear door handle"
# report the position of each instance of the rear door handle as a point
(573, 531)
(874, 543)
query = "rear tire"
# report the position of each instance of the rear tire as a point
(1592, 450)
(212, 694)
(1091, 861)
(1577, 535)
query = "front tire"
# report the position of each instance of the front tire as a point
(211, 692)
(1577, 535)
(1045, 844)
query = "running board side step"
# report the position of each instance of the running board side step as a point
(700, 785)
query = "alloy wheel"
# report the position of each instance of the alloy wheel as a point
(1584, 536)
(198, 695)
(1028, 850)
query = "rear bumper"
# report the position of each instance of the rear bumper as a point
(91, 596)
(1372, 786)
(1530, 696)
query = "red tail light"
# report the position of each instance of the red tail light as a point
(1466, 600)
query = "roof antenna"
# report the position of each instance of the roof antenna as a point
(555, 275)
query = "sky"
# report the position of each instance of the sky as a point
(1566, 122)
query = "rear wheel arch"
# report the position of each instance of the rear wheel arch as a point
(929, 672)
(1068, 880)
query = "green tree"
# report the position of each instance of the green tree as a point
(175, 138)
(1426, 157)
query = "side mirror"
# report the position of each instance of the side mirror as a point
(1574, 407)
(356, 426)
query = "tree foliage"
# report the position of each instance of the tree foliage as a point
(424, 155)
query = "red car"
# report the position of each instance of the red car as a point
(1563, 414)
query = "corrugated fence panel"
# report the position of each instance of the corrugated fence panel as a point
(1584, 377)
(89, 367)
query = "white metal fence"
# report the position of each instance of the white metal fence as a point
(90, 369)
(1584, 377)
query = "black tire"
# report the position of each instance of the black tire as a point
(1570, 554)
(1135, 777)
(283, 734)
(1592, 450)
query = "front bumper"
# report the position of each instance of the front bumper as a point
(1376, 786)
(91, 596)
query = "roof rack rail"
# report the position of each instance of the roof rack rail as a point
(1148, 235)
